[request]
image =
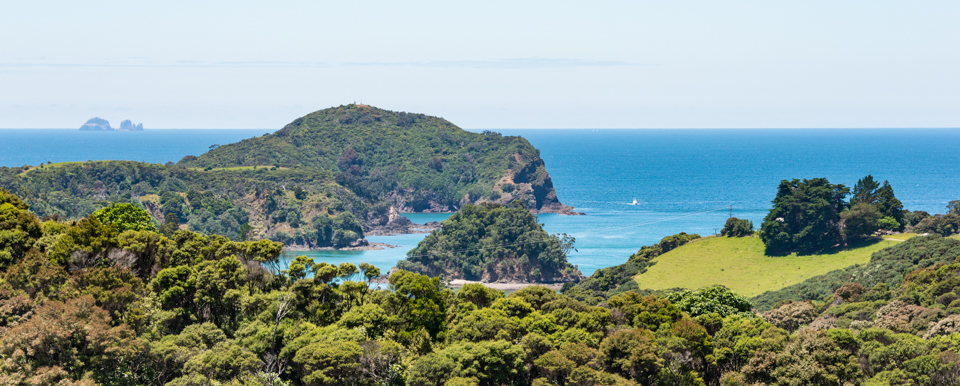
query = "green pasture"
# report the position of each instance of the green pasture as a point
(741, 265)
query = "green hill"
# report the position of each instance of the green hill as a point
(415, 161)
(493, 243)
(740, 264)
(886, 268)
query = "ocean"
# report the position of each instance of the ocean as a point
(683, 180)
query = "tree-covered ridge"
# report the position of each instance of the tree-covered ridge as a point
(417, 161)
(84, 304)
(301, 206)
(493, 243)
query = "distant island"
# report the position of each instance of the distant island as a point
(99, 124)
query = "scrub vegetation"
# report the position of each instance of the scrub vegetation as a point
(84, 303)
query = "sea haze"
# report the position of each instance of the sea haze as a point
(675, 175)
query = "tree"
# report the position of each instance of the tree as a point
(860, 220)
(125, 217)
(65, 341)
(299, 267)
(889, 205)
(716, 299)
(805, 216)
(171, 223)
(632, 354)
(953, 207)
(735, 227)
(418, 301)
(329, 363)
(865, 191)
(491, 362)
(888, 223)
(172, 202)
(19, 229)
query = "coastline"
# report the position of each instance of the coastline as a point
(459, 283)
(368, 247)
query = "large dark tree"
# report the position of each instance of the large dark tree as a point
(805, 216)
(889, 205)
(865, 191)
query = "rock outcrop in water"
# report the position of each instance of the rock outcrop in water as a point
(100, 124)
(96, 124)
(127, 125)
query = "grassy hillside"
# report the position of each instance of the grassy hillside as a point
(886, 268)
(740, 264)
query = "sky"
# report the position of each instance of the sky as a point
(491, 64)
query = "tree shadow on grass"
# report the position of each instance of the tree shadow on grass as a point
(854, 244)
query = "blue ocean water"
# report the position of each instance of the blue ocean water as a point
(20, 147)
(683, 180)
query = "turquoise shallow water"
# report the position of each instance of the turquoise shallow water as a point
(675, 175)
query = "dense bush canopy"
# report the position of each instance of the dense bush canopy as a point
(490, 243)
(81, 304)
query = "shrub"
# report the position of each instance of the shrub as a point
(716, 299)
(736, 227)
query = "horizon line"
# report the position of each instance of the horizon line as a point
(542, 128)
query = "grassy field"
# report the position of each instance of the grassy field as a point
(49, 166)
(235, 168)
(901, 237)
(740, 264)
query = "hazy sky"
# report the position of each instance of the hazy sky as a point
(517, 64)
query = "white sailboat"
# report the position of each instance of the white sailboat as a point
(634, 202)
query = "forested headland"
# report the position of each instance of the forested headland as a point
(494, 243)
(321, 181)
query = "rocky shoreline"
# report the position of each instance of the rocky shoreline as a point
(367, 246)
(511, 286)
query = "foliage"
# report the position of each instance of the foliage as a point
(868, 193)
(886, 267)
(19, 229)
(805, 216)
(735, 227)
(210, 202)
(860, 220)
(86, 305)
(125, 217)
(944, 225)
(711, 300)
(491, 242)
(375, 152)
